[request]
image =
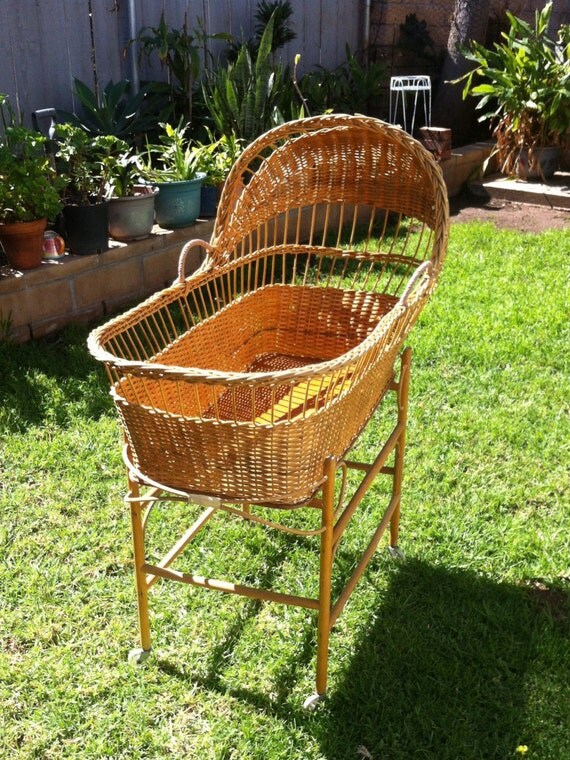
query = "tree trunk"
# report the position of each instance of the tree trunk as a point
(469, 22)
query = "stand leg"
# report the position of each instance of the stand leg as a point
(140, 577)
(402, 400)
(326, 555)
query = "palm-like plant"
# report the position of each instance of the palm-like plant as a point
(281, 11)
(179, 54)
(523, 86)
(116, 111)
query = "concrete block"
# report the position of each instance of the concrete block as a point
(19, 334)
(464, 165)
(552, 194)
(43, 301)
(59, 269)
(10, 308)
(11, 281)
(27, 307)
(160, 270)
(84, 288)
(108, 284)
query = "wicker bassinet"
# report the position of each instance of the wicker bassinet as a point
(241, 381)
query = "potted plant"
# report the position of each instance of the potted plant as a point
(131, 200)
(173, 166)
(215, 158)
(28, 192)
(81, 161)
(523, 86)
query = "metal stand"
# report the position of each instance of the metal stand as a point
(402, 91)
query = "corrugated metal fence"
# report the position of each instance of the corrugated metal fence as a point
(44, 44)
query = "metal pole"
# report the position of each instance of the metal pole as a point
(366, 33)
(132, 47)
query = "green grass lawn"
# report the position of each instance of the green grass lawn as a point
(461, 651)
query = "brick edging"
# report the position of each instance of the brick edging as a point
(83, 288)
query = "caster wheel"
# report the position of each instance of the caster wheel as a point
(138, 656)
(312, 702)
(396, 553)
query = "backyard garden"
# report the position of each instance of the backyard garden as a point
(460, 650)
(455, 648)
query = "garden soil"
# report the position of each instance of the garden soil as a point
(509, 215)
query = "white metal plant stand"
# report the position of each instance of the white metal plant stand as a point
(408, 93)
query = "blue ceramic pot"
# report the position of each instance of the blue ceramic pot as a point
(178, 203)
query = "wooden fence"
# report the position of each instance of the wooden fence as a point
(44, 44)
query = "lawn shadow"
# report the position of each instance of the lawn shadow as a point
(440, 673)
(211, 675)
(65, 359)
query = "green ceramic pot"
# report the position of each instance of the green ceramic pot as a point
(178, 203)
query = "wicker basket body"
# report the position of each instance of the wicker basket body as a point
(239, 380)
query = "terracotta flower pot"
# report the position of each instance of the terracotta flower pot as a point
(23, 243)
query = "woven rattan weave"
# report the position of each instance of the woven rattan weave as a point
(247, 382)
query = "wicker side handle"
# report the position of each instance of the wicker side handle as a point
(184, 254)
(427, 266)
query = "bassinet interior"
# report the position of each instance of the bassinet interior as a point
(293, 320)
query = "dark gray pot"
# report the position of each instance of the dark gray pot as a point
(208, 200)
(132, 217)
(545, 163)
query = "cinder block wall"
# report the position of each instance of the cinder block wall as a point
(85, 288)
